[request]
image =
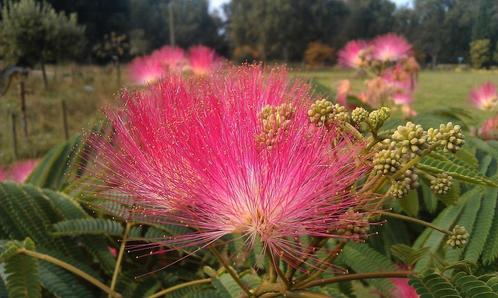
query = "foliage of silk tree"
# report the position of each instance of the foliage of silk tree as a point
(34, 33)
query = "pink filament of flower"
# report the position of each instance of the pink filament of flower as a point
(184, 153)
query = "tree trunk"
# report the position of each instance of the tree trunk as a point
(44, 74)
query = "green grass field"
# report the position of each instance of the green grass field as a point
(87, 89)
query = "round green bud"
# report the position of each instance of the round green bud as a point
(458, 237)
(359, 115)
(353, 224)
(410, 138)
(441, 184)
(377, 118)
(387, 162)
(325, 113)
(403, 185)
(448, 137)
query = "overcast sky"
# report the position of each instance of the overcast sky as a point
(217, 3)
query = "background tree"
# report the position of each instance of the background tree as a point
(266, 27)
(32, 33)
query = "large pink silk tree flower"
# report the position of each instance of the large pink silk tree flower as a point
(484, 97)
(233, 152)
(390, 47)
(351, 55)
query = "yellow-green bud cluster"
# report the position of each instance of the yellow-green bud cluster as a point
(359, 115)
(441, 184)
(458, 237)
(410, 138)
(402, 186)
(325, 113)
(376, 118)
(275, 120)
(387, 161)
(448, 137)
(353, 224)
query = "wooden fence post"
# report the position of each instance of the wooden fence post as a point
(22, 92)
(64, 119)
(14, 135)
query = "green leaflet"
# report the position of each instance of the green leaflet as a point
(461, 284)
(62, 283)
(51, 171)
(482, 226)
(490, 251)
(226, 286)
(22, 278)
(88, 226)
(454, 169)
(434, 285)
(362, 258)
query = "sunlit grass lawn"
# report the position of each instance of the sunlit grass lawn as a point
(86, 89)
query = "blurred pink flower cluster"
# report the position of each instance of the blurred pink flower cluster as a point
(233, 152)
(484, 97)
(199, 60)
(389, 61)
(18, 171)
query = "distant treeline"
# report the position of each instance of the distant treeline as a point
(441, 30)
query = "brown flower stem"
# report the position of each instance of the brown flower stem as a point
(323, 264)
(305, 294)
(357, 276)
(71, 269)
(230, 270)
(119, 260)
(351, 129)
(180, 286)
(414, 220)
(275, 263)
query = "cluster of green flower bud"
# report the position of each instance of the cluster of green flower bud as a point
(325, 113)
(448, 137)
(359, 115)
(376, 118)
(387, 161)
(353, 224)
(275, 120)
(410, 138)
(458, 237)
(403, 185)
(441, 184)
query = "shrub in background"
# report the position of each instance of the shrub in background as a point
(318, 54)
(480, 53)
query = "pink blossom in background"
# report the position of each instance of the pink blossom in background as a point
(402, 98)
(484, 97)
(402, 289)
(390, 47)
(233, 152)
(18, 171)
(3, 175)
(172, 58)
(145, 70)
(343, 88)
(351, 54)
(203, 60)
(489, 129)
